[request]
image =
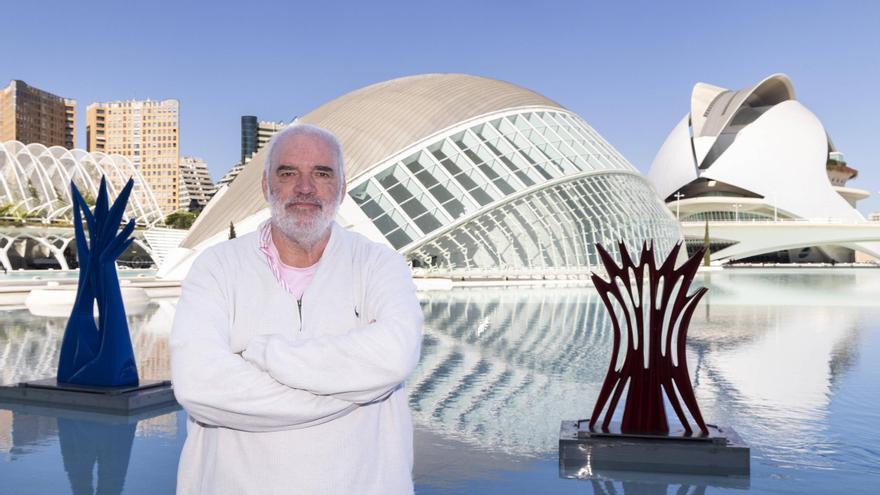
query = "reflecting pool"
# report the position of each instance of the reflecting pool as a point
(789, 358)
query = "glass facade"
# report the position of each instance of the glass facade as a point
(519, 190)
(248, 136)
(731, 216)
(555, 229)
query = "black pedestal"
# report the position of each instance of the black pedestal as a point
(115, 400)
(721, 453)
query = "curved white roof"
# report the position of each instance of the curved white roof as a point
(712, 107)
(374, 123)
(379, 120)
(780, 155)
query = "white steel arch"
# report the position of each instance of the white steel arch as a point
(35, 181)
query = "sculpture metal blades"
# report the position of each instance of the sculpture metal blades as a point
(99, 354)
(657, 310)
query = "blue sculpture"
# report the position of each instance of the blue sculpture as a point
(99, 354)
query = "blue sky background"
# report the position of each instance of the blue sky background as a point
(626, 67)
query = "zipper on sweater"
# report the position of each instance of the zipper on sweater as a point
(299, 309)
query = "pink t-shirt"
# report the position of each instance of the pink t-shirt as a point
(297, 279)
(293, 279)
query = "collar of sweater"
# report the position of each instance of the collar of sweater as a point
(333, 252)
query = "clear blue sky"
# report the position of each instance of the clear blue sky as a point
(625, 67)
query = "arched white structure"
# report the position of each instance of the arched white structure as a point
(466, 176)
(35, 182)
(754, 154)
(35, 187)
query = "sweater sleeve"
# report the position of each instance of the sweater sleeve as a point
(366, 363)
(214, 384)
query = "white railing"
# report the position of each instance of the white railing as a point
(821, 221)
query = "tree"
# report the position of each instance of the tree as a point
(89, 199)
(231, 230)
(20, 215)
(180, 220)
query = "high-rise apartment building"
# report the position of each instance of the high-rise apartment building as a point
(265, 131)
(31, 115)
(248, 137)
(195, 183)
(147, 133)
(255, 135)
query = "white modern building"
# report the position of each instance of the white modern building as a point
(466, 177)
(229, 176)
(196, 187)
(760, 169)
(35, 202)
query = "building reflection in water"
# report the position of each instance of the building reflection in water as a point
(501, 367)
(771, 348)
(29, 342)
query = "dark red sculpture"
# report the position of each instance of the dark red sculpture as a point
(649, 351)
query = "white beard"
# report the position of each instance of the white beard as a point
(304, 231)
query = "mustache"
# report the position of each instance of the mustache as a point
(311, 200)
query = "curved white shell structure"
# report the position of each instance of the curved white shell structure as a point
(756, 154)
(467, 175)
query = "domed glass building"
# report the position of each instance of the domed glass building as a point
(467, 176)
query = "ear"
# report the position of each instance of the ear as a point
(264, 184)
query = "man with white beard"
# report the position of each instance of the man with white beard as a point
(291, 344)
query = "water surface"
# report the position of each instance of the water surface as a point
(789, 358)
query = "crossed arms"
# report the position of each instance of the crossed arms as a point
(278, 383)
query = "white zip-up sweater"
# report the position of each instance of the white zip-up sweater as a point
(283, 402)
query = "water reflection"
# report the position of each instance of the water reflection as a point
(498, 364)
(608, 487)
(771, 349)
(636, 483)
(85, 444)
(502, 367)
(29, 343)
(95, 448)
(788, 359)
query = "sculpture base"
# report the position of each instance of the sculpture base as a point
(721, 453)
(115, 400)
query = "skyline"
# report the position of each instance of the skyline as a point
(628, 70)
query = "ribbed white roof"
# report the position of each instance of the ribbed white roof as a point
(379, 120)
(374, 123)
